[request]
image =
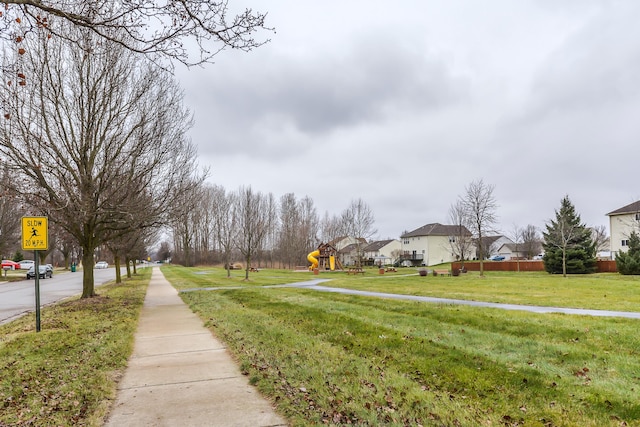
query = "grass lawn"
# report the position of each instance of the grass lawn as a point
(604, 291)
(340, 359)
(66, 374)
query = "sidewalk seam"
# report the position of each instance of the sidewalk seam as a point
(204, 380)
(205, 350)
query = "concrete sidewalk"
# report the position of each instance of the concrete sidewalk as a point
(180, 375)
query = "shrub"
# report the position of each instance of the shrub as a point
(629, 262)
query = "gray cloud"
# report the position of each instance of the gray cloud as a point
(404, 106)
(369, 82)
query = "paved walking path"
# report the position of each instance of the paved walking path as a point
(181, 375)
(315, 285)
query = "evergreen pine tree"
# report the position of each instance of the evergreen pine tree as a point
(568, 245)
(629, 262)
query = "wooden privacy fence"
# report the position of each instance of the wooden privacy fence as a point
(602, 266)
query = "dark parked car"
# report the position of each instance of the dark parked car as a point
(44, 270)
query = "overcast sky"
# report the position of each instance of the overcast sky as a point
(405, 103)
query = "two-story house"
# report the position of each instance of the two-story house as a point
(621, 223)
(431, 244)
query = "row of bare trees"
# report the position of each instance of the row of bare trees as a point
(95, 138)
(220, 226)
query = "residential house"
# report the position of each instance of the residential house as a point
(621, 223)
(344, 241)
(430, 244)
(382, 252)
(348, 255)
(348, 248)
(520, 250)
(491, 245)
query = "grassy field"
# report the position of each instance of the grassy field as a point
(339, 359)
(66, 374)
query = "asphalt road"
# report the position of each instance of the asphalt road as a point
(19, 298)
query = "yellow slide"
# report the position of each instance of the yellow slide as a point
(313, 260)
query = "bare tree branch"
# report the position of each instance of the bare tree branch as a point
(188, 31)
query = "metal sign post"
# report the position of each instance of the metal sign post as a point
(35, 237)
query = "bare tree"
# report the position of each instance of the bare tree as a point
(164, 251)
(183, 225)
(531, 245)
(188, 31)
(226, 223)
(204, 225)
(298, 227)
(461, 243)
(10, 213)
(267, 245)
(517, 235)
(97, 130)
(600, 238)
(288, 234)
(359, 222)
(308, 228)
(128, 247)
(331, 228)
(252, 224)
(138, 248)
(480, 208)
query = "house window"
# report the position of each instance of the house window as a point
(638, 217)
(625, 242)
(452, 239)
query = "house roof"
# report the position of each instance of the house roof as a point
(521, 247)
(490, 240)
(349, 248)
(512, 247)
(436, 229)
(376, 246)
(630, 208)
(337, 240)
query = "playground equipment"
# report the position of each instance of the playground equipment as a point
(313, 260)
(324, 258)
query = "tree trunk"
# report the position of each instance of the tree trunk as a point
(248, 266)
(88, 288)
(116, 261)
(481, 253)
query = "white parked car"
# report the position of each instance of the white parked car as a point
(102, 264)
(26, 264)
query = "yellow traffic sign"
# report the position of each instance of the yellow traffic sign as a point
(35, 233)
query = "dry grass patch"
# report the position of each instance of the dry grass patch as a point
(66, 374)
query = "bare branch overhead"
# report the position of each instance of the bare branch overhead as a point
(189, 31)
